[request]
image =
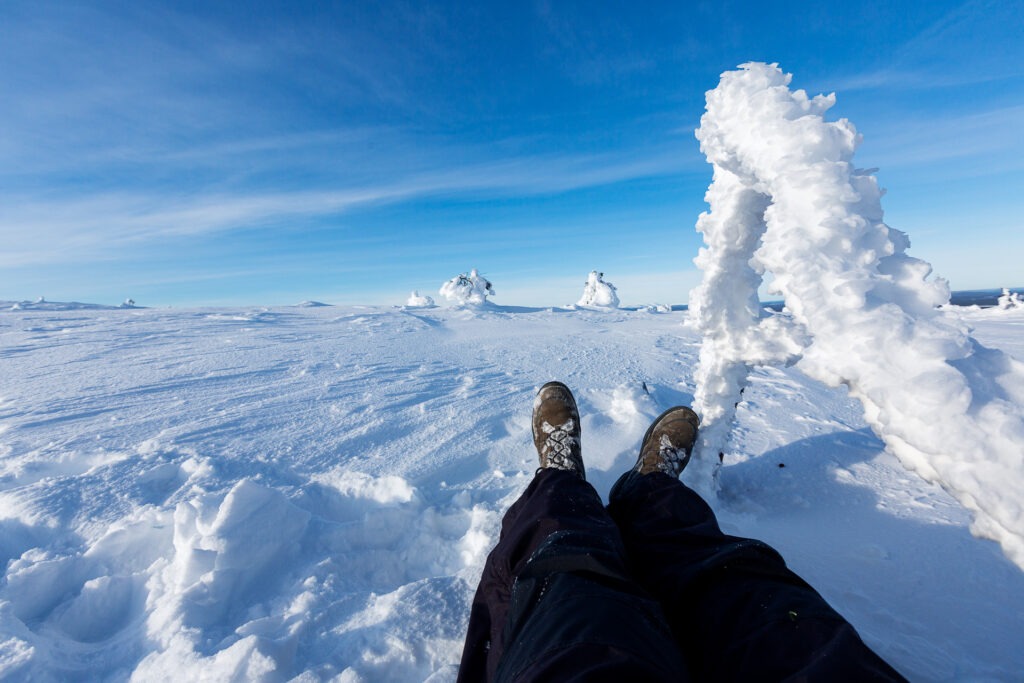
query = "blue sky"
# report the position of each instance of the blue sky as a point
(268, 153)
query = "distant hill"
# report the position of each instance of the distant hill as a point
(984, 298)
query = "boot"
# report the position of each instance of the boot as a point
(556, 429)
(668, 443)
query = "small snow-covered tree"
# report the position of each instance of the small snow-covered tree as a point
(1010, 300)
(416, 300)
(472, 289)
(597, 292)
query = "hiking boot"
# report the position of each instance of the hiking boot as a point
(668, 443)
(556, 429)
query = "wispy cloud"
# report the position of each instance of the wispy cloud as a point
(72, 93)
(182, 128)
(582, 50)
(914, 79)
(44, 228)
(977, 42)
(994, 139)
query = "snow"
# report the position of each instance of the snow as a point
(416, 300)
(467, 290)
(786, 200)
(310, 492)
(41, 304)
(597, 292)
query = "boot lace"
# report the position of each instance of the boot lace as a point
(670, 459)
(558, 446)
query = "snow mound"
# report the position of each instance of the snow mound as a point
(416, 300)
(228, 555)
(787, 200)
(597, 292)
(467, 290)
(311, 304)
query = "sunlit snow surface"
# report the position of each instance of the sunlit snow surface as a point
(311, 491)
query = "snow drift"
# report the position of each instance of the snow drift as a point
(860, 312)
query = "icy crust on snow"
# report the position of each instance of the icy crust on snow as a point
(597, 292)
(786, 200)
(309, 494)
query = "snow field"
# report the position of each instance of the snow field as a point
(309, 493)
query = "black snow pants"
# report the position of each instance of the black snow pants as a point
(649, 589)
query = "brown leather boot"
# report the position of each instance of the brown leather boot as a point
(556, 429)
(668, 443)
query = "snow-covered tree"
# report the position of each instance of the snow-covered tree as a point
(416, 300)
(787, 200)
(472, 289)
(1010, 300)
(597, 292)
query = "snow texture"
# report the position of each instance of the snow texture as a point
(786, 200)
(309, 493)
(597, 292)
(416, 300)
(467, 290)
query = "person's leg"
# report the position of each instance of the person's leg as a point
(555, 601)
(736, 610)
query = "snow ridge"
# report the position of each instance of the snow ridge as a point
(787, 200)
